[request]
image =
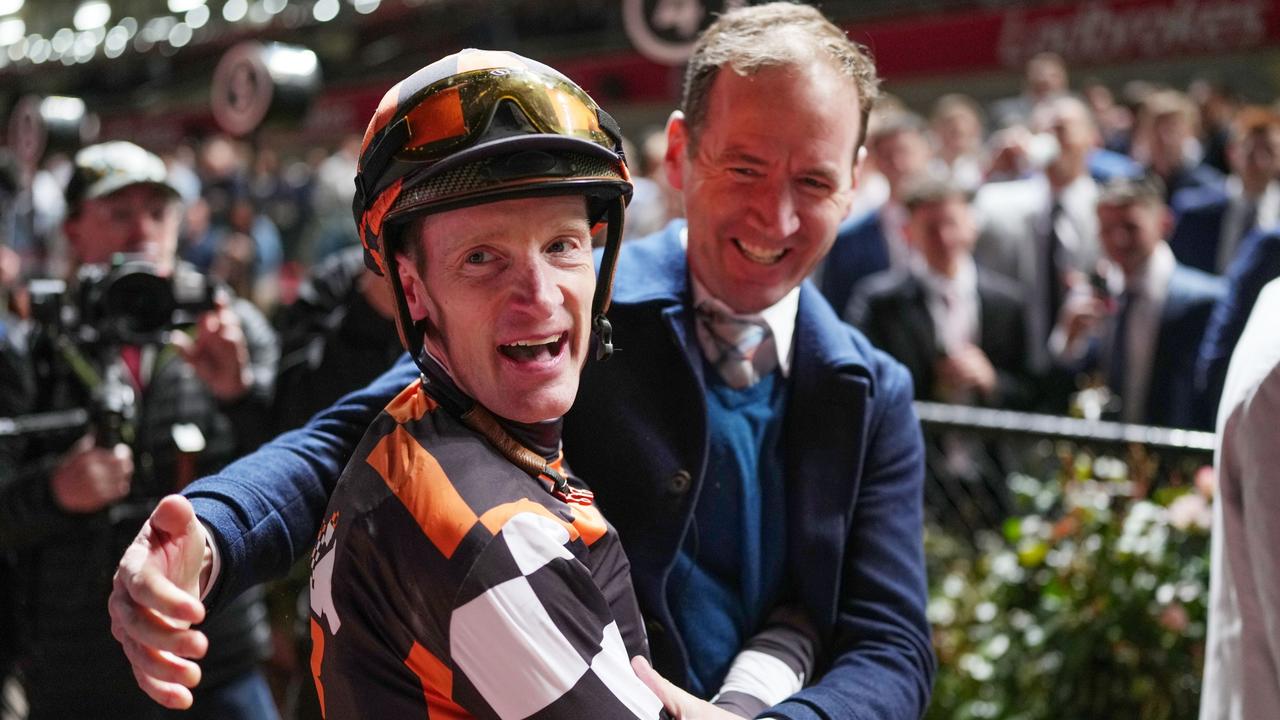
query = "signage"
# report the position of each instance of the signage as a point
(664, 30)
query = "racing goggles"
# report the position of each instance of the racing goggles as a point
(455, 114)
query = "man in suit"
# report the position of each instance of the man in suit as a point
(1043, 229)
(959, 328)
(1256, 264)
(874, 241)
(1213, 220)
(749, 447)
(1144, 339)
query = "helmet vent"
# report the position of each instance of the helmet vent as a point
(530, 163)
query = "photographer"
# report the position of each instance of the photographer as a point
(166, 402)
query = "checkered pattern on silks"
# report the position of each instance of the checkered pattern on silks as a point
(448, 583)
(741, 347)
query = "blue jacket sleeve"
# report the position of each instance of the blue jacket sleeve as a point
(1256, 264)
(883, 662)
(264, 510)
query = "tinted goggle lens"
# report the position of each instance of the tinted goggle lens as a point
(455, 114)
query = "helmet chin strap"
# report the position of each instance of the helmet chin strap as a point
(604, 281)
(445, 391)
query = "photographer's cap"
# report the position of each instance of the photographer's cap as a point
(112, 166)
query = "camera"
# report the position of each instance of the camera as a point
(125, 302)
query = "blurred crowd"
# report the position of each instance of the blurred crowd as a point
(1067, 250)
(1004, 286)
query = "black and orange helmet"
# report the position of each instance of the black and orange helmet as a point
(481, 126)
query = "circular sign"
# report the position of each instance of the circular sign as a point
(27, 133)
(665, 30)
(242, 89)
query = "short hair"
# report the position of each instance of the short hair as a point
(952, 102)
(1172, 102)
(928, 189)
(1252, 119)
(1046, 111)
(1047, 57)
(903, 121)
(776, 34)
(1146, 189)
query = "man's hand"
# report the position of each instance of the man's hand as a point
(1080, 316)
(220, 353)
(968, 368)
(91, 478)
(154, 601)
(10, 267)
(676, 701)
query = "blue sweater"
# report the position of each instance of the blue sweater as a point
(730, 567)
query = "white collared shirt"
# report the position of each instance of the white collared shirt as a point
(1077, 230)
(1265, 210)
(1077, 225)
(780, 316)
(960, 324)
(893, 220)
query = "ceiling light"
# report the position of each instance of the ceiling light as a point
(61, 40)
(40, 50)
(157, 29)
(197, 17)
(181, 6)
(235, 10)
(325, 10)
(117, 38)
(85, 48)
(12, 30)
(92, 14)
(294, 61)
(258, 14)
(180, 35)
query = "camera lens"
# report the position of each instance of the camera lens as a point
(139, 303)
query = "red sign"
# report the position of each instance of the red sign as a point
(1091, 33)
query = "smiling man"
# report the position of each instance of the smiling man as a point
(753, 451)
(462, 570)
(765, 452)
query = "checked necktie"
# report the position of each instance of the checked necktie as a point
(741, 347)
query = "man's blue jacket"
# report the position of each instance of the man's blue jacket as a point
(638, 435)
